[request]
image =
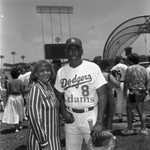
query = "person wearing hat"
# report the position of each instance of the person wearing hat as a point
(79, 86)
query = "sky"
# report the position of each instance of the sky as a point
(92, 21)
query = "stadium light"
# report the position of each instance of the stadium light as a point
(13, 54)
(55, 10)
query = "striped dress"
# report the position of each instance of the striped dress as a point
(43, 130)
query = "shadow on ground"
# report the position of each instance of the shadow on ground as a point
(22, 147)
(11, 130)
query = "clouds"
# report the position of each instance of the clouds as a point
(92, 21)
(93, 45)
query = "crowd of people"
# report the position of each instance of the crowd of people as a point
(79, 91)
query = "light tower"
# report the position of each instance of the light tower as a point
(55, 10)
(13, 53)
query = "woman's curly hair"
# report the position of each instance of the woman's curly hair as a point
(39, 64)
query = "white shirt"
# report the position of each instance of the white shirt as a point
(79, 84)
(25, 78)
(120, 71)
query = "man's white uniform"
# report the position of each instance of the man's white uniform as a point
(79, 87)
(120, 70)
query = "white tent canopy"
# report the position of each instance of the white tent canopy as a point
(125, 34)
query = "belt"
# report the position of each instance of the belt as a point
(80, 110)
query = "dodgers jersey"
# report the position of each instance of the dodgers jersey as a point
(79, 84)
(120, 71)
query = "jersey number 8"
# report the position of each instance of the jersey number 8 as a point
(85, 90)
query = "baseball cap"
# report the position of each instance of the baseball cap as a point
(73, 41)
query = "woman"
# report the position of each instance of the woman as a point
(14, 112)
(43, 110)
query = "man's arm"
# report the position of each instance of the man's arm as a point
(126, 84)
(65, 114)
(102, 100)
(60, 98)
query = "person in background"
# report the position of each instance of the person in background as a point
(137, 82)
(14, 112)
(119, 71)
(24, 77)
(43, 129)
(80, 88)
(1, 99)
(3, 94)
(111, 83)
(56, 66)
(97, 60)
(148, 68)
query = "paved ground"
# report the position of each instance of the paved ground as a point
(17, 141)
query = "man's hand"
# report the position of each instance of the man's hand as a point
(125, 96)
(68, 117)
(97, 130)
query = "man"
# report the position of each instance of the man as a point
(111, 83)
(80, 88)
(136, 81)
(119, 71)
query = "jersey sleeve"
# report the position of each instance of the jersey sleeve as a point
(57, 82)
(100, 79)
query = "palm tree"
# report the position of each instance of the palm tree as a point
(13, 53)
(1, 57)
(23, 57)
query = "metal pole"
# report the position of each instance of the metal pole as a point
(69, 24)
(42, 29)
(57, 10)
(60, 27)
(51, 26)
(145, 45)
(13, 59)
